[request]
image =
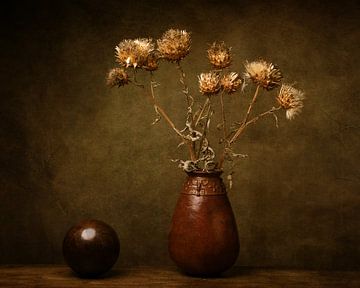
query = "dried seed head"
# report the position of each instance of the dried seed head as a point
(219, 55)
(117, 77)
(209, 83)
(134, 52)
(151, 62)
(174, 45)
(291, 99)
(265, 74)
(231, 82)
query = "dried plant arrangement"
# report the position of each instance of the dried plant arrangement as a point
(174, 45)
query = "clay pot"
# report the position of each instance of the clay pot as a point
(203, 238)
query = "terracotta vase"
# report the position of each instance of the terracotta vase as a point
(203, 238)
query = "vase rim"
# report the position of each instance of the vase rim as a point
(205, 173)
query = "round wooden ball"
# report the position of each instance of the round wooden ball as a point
(91, 248)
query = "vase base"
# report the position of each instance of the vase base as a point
(203, 274)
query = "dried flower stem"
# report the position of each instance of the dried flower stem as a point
(190, 102)
(135, 81)
(172, 125)
(200, 116)
(223, 116)
(253, 120)
(202, 111)
(168, 120)
(271, 111)
(243, 125)
(161, 111)
(222, 158)
(189, 99)
(208, 112)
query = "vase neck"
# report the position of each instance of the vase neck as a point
(204, 185)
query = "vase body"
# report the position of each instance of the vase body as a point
(203, 238)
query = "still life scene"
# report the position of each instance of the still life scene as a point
(195, 222)
(180, 144)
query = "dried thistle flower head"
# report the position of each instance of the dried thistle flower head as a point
(174, 45)
(291, 99)
(151, 62)
(209, 83)
(117, 77)
(231, 82)
(134, 52)
(219, 55)
(265, 74)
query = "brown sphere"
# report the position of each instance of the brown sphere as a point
(91, 248)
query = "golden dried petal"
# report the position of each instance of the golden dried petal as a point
(117, 77)
(219, 55)
(262, 73)
(134, 52)
(174, 45)
(209, 83)
(291, 99)
(231, 82)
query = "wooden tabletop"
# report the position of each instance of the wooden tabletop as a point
(61, 276)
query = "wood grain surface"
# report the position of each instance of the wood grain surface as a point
(61, 276)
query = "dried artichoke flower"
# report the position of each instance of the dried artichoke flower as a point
(134, 52)
(219, 55)
(291, 99)
(231, 82)
(117, 77)
(209, 83)
(265, 74)
(174, 45)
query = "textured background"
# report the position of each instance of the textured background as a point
(72, 148)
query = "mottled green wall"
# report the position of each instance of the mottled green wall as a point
(73, 148)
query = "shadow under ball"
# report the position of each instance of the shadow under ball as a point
(91, 248)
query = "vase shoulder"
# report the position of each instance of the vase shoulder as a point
(203, 185)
